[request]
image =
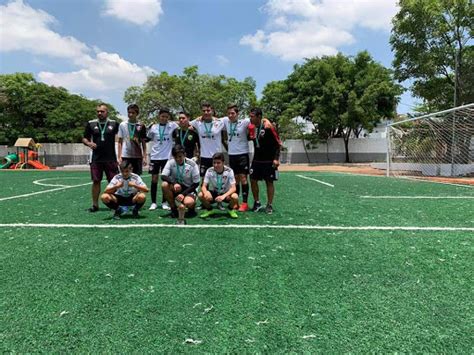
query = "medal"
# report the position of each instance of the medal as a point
(162, 133)
(131, 130)
(208, 129)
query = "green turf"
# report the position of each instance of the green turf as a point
(245, 290)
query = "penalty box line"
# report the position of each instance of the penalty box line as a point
(239, 226)
(43, 191)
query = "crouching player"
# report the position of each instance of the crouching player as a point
(125, 189)
(180, 178)
(219, 186)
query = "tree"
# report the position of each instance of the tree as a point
(340, 95)
(186, 92)
(45, 113)
(433, 45)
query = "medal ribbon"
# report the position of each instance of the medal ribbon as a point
(131, 130)
(219, 182)
(232, 129)
(258, 134)
(161, 132)
(208, 129)
(180, 173)
(102, 129)
(183, 138)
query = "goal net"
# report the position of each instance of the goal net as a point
(438, 144)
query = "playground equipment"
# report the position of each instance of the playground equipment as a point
(26, 157)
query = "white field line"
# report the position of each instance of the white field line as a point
(436, 182)
(313, 179)
(237, 226)
(41, 183)
(43, 192)
(419, 197)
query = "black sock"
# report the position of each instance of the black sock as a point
(245, 192)
(154, 188)
(138, 206)
(112, 205)
(238, 189)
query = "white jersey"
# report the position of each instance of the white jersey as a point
(220, 183)
(161, 137)
(210, 136)
(186, 174)
(125, 190)
(132, 141)
(237, 135)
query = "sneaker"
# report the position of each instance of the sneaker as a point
(153, 207)
(207, 213)
(135, 213)
(244, 207)
(93, 209)
(257, 207)
(269, 209)
(181, 222)
(165, 206)
(233, 214)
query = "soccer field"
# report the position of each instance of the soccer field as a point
(346, 263)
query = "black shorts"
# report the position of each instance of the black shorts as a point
(239, 163)
(183, 187)
(156, 166)
(263, 170)
(125, 200)
(215, 194)
(205, 164)
(137, 164)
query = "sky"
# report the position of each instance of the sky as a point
(99, 48)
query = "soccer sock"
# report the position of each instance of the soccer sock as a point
(245, 192)
(238, 189)
(138, 206)
(154, 188)
(112, 205)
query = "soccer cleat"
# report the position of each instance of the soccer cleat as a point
(244, 207)
(93, 209)
(257, 207)
(165, 206)
(207, 213)
(135, 213)
(153, 206)
(269, 209)
(181, 222)
(233, 214)
(117, 214)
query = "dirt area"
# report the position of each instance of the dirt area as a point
(367, 170)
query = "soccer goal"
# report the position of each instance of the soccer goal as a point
(437, 144)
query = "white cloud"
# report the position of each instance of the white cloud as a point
(296, 29)
(222, 60)
(138, 12)
(27, 29)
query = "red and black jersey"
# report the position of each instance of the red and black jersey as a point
(266, 141)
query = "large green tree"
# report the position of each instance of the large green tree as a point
(340, 95)
(186, 92)
(432, 41)
(45, 113)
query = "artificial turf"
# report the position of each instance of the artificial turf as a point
(240, 290)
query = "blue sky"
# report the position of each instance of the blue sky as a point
(98, 48)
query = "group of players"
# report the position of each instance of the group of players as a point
(176, 149)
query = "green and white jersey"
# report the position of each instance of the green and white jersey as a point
(220, 183)
(125, 190)
(186, 174)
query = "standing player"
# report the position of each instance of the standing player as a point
(187, 137)
(99, 136)
(132, 141)
(161, 136)
(180, 180)
(266, 157)
(219, 186)
(209, 129)
(125, 189)
(238, 148)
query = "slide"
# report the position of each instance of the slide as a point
(8, 161)
(37, 165)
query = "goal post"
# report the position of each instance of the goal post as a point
(437, 144)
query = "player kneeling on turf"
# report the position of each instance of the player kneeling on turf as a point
(125, 189)
(219, 186)
(180, 178)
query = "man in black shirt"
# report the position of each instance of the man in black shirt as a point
(99, 135)
(266, 157)
(186, 136)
